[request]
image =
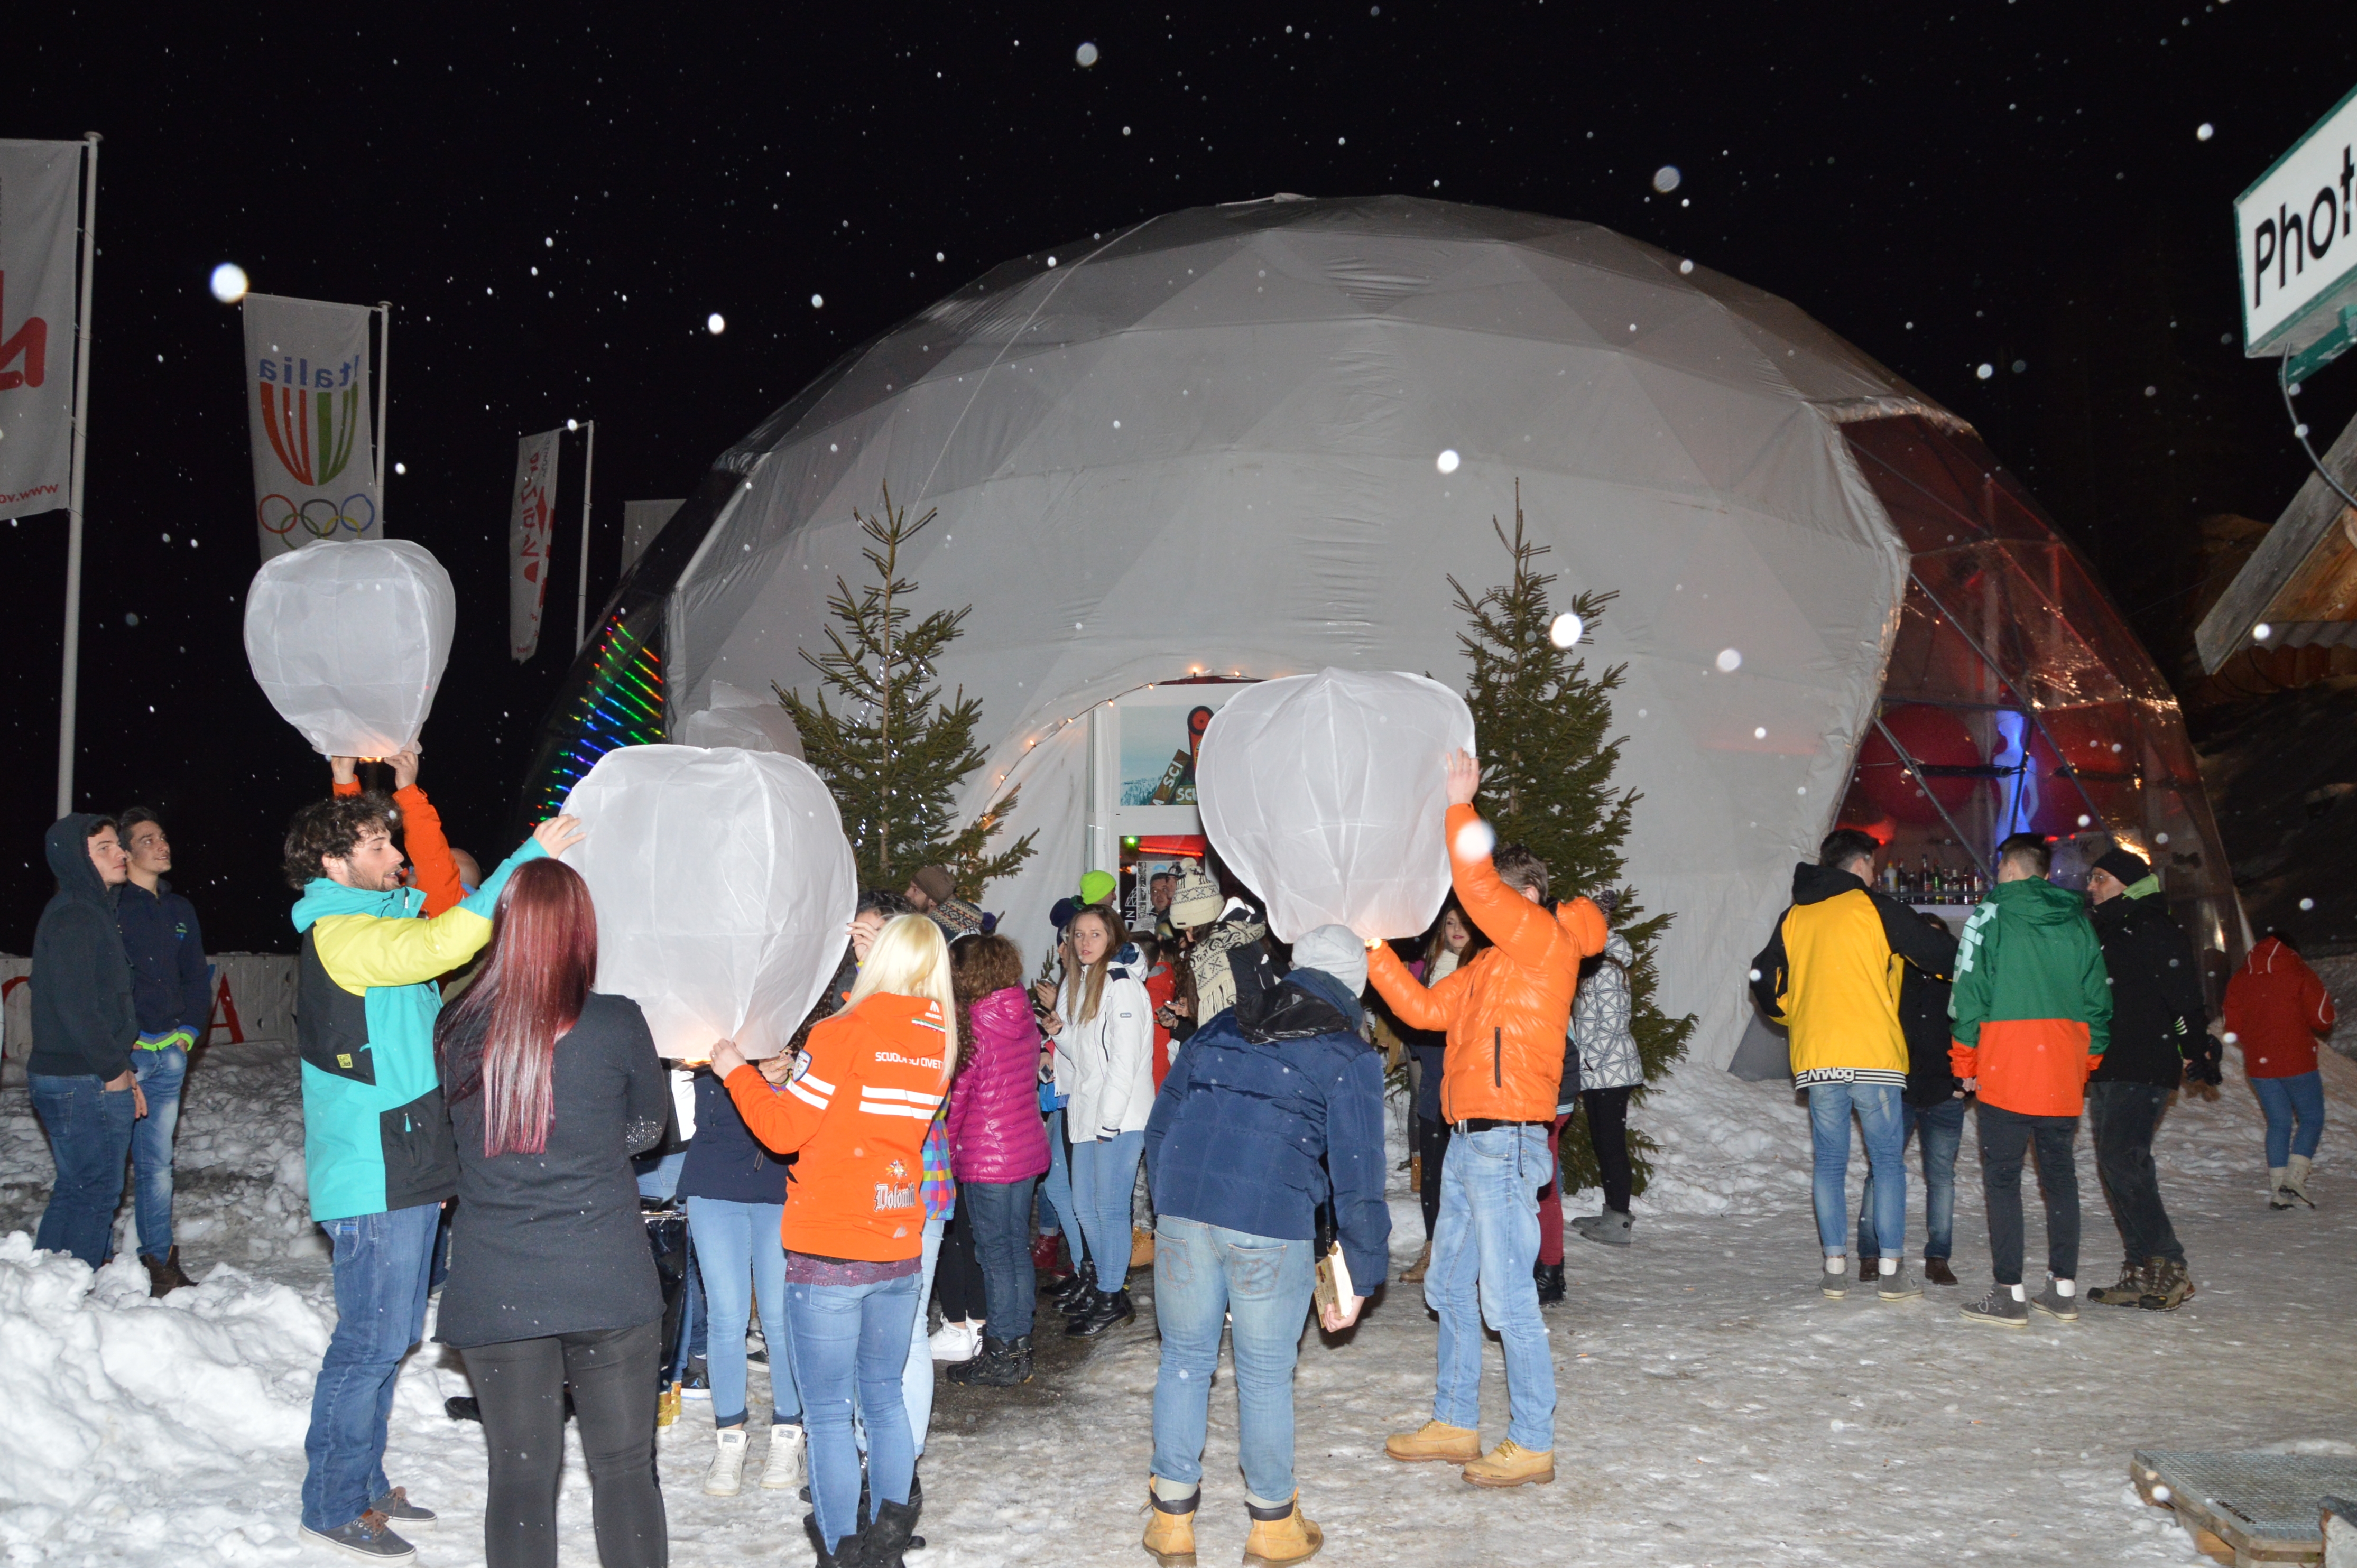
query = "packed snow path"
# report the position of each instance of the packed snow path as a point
(1714, 1407)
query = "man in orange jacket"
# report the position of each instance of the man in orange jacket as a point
(1506, 1014)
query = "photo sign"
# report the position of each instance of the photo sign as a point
(2299, 255)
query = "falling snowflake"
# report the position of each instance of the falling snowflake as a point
(2206, 131)
(1475, 840)
(2304, 904)
(817, 300)
(1684, 266)
(1566, 630)
(1729, 661)
(716, 324)
(1668, 178)
(1985, 370)
(229, 282)
(1086, 55)
(1447, 460)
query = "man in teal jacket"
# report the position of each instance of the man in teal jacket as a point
(376, 1137)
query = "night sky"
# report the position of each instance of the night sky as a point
(2016, 185)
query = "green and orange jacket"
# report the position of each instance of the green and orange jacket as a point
(2032, 1011)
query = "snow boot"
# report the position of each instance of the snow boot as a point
(849, 1552)
(1281, 1536)
(2135, 1281)
(2168, 1285)
(1002, 1364)
(1171, 1528)
(399, 1510)
(163, 1275)
(2296, 1179)
(1106, 1309)
(369, 1538)
(893, 1531)
(1834, 1281)
(1550, 1283)
(1413, 1274)
(1611, 1226)
(2280, 1193)
(1044, 1254)
(956, 1342)
(1937, 1273)
(1076, 1289)
(1434, 1440)
(1512, 1464)
(727, 1476)
(788, 1442)
(1141, 1249)
(1900, 1285)
(2057, 1303)
(1999, 1309)
(1868, 1269)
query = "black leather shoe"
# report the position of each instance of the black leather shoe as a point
(1002, 1364)
(1073, 1292)
(1109, 1309)
(1550, 1278)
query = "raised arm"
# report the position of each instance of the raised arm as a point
(359, 953)
(789, 1116)
(1419, 1006)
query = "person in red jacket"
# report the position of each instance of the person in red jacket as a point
(2276, 1008)
(857, 1110)
(1506, 1013)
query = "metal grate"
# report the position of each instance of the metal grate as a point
(2273, 1497)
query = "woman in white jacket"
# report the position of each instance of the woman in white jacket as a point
(1103, 1027)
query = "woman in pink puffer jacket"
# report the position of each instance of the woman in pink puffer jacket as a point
(998, 1147)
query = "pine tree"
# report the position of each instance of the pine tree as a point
(894, 754)
(1546, 782)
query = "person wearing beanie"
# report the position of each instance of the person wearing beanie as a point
(1226, 950)
(2276, 1009)
(1274, 1107)
(933, 885)
(2160, 1037)
(1098, 888)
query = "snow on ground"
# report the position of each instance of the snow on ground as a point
(1714, 1408)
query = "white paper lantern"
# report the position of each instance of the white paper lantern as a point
(348, 639)
(723, 884)
(734, 716)
(1326, 793)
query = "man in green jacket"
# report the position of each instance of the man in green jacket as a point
(2031, 1013)
(376, 1137)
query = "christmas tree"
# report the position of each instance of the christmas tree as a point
(895, 753)
(1547, 762)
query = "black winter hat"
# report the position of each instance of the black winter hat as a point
(2124, 864)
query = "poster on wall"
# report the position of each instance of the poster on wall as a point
(1160, 745)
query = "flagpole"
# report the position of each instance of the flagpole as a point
(581, 605)
(383, 403)
(71, 679)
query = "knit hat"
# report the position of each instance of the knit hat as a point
(2124, 864)
(1196, 900)
(1336, 951)
(1606, 899)
(936, 883)
(1097, 886)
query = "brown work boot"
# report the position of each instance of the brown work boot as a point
(1141, 1249)
(1512, 1464)
(2128, 1291)
(2167, 1285)
(1281, 1536)
(1937, 1273)
(1413, 1274)
(1170, 1528)
(163, 1275)
(1434, 1440)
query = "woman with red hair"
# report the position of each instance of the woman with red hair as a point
(552, 1088)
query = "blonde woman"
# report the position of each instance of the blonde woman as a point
(1103, 1027)
(857, 1111)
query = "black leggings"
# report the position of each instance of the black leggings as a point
(957, 1276)
(520, 1389)
(1608, 1129)
(1432, 1149)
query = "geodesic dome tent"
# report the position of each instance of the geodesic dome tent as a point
(1247, 441)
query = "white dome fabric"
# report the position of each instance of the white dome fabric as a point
(1211, 442)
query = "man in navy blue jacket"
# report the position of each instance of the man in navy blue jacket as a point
(171, 990)
(1271, 1108)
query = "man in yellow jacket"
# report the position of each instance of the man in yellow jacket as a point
(1506, 1013)
(1830, 974)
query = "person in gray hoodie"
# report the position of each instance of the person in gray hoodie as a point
(84, 1025)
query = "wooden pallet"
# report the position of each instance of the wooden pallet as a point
(2246, 1510)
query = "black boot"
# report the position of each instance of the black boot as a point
(1107, 1308)
(1069, 1296)
(849, 1552)
(1002, 1364)
(1550, 1278)
(894, 1532)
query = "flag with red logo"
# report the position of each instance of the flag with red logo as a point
(39, 183)
(307, 411)
(531, 524)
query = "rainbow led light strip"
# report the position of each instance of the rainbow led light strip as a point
(622, 705)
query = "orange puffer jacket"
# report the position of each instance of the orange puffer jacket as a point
(1507, 1012)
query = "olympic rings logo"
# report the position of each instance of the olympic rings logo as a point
(319, 517)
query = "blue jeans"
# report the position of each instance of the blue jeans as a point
(850, 1349)
(1203, 1273)
(382, 1264)
(1103, 1174)
(742, 1263)
(1000, 1213)
(2286, 1100)
(90, 1135)
(1056, 1211)
(1878, 1106)
(1489, 1236)
(160, 1076)
(1941, 1131)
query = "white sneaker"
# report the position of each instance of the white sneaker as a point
(956, 1341)
(727, 1474)
(785, 1469)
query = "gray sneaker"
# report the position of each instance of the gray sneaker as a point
(368, 1538)
(1834, 1284)
(2055, 1305)
(399, 1510)
(1998, 1310)
(1903, 1286)
(1611, 1226)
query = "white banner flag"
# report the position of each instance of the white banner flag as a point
(307, 414)
(38, 184)
(531, 524)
